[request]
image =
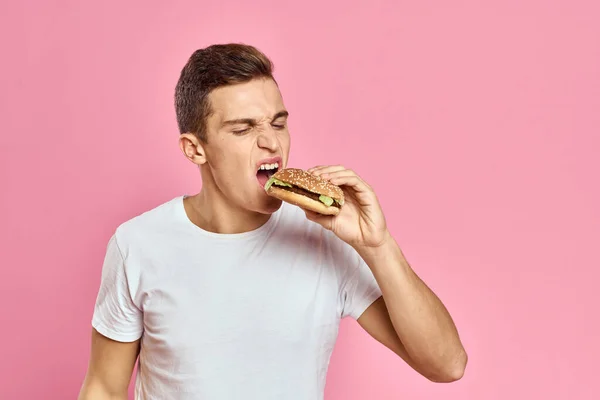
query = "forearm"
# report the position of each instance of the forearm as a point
(420, 320)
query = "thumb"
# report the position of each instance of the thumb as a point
(326, 221)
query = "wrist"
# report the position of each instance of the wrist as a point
(386, 248)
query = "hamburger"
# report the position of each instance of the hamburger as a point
(305, 190)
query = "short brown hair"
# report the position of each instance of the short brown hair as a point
(210, 68)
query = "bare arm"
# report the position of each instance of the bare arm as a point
(110, 369)
(377, 323)
(410, 319)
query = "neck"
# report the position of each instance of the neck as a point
(212, 212)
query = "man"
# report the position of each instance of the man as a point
(232, 294)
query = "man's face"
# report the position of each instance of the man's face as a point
(247, 129)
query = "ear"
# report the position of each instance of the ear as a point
(192, 148)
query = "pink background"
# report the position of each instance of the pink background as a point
(477, 123)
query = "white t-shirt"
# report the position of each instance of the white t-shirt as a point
(249, 316)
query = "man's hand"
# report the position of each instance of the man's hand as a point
(361, 222)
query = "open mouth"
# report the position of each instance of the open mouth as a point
(265, 172)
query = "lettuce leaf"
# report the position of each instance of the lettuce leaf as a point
(275, 181)
(328, 201)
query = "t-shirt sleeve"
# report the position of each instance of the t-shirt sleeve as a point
(115, 314)
(359, 288)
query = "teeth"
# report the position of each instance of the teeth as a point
(269, 166)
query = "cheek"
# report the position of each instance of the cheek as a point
(227, 165)
(223, 154)
(284, 138)
(285, 142)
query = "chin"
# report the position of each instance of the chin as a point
(270, 206)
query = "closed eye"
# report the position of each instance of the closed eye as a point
(241, 131)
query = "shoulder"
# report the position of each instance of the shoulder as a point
(149, 225)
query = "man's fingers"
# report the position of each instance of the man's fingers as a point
(323, 169)
(346, 178)
(324, 220)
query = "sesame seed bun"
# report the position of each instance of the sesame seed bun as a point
(310, 183)
(302, 201)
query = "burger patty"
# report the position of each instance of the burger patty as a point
(303, 192)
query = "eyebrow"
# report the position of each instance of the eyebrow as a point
(252, 121)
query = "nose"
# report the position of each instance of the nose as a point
(267, 139)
